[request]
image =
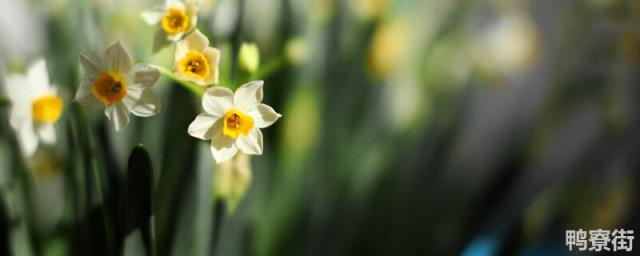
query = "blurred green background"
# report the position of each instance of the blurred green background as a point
(409, 127)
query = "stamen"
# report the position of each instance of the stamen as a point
(194, 64)
(236, 123)
(109, 87)
(175, 20)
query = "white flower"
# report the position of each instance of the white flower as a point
(195, 61)
(35, 107)
(176, 18)
(232, 121)
(112, 82)
(510, 45)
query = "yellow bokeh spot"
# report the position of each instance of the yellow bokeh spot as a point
(110, 88)
(388, 49)
(236, 123)
(194, 64)
(175, 20)
(47, 109)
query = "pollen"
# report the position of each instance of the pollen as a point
(194, 64)
(110, 88)
(236, 123)
(47, 109)
(175, 20)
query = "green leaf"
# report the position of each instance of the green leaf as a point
(160, 41)
(178, 172)
(138, 196)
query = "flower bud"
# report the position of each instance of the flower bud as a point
(295, 50)
(231, 180)
(249, 58)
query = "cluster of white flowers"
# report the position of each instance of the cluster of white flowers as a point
(111, 81)
(231, 121)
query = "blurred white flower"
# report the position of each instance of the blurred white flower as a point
(224, 18)
(111, 81)
(510, 45)
(47, 190)
(232, 121)
(35, 107)
(195, 61)
(176, 18)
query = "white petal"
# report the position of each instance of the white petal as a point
(193, 18)
(145, 75)
(202, 126)
(93, 65)
(142, 101)
(217, 100)
(248, 96)
(47, 133)
(18, 89)
(213, 57)
(181, 50)
(152, 17)
(252, 143)
(223, 147)
(174, 4)
(191, 7)
(85, 96)
(117, 58)
(196, 41)
(38, 77)
(118, 115)
(174, 37)
(263, 116)
(27, 139)
(19, 114)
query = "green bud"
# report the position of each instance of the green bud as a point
(295, 50)
(249, 58)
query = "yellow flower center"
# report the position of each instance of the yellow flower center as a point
(109, 88)
(236, 123)
(194, 64)
(175, 20)
(47, 109)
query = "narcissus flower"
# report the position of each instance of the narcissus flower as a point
(195, 61)
(112, 82)
(35, 107)
(232, 121)
(176, 18)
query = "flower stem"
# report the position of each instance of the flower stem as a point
(194, 88)
(269, 68)
(4, 101)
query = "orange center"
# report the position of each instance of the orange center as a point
(47, 109)
(109, 88)
(194, 64)
(236, 123)
(175, 20)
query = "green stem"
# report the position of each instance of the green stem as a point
(269, 68)
(196, 89)
(4, 101)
